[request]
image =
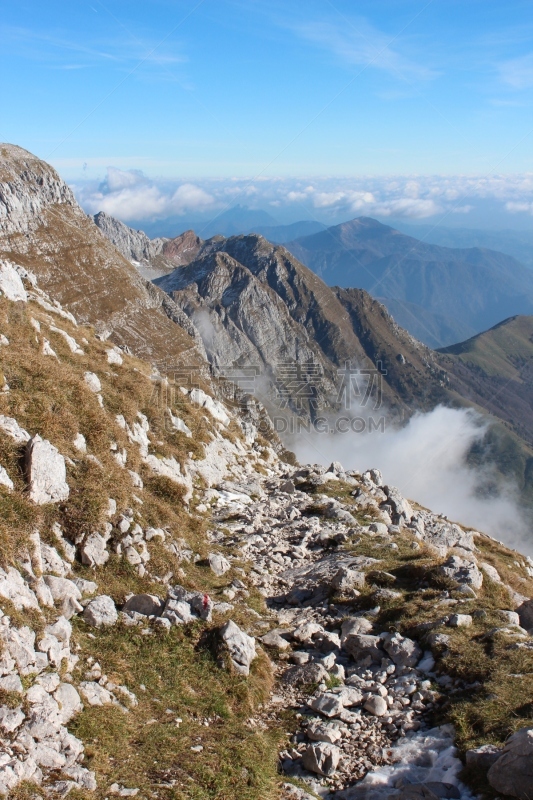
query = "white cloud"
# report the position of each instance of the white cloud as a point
(519, 207)
(132, 196)
(356, 42)
(518, 72)
(129, 195)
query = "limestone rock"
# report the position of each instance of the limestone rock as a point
(483, 757)
(46, 472)
(462, 571)
(241, 647)
(93, 551)
(403, 651)
(304, 675)
(92, 381)
(68, 700)
(5, 480)
(512, 773)
(11, 427)
(525, 612)
(460, 621)
(219, 565)
(321, 758)
(147, 604)
(11, 285)
(376, 705)
(100, 611)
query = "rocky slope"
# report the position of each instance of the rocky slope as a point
(43, 228)
(254, 304)
(460, 292)
(152, 257)
(183, 613)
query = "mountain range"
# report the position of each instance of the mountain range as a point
(441, 295)
(239, 584)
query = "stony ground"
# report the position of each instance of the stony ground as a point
(180, 608)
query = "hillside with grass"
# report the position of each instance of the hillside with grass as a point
(187, 613)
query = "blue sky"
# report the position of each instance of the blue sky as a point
(188, 92)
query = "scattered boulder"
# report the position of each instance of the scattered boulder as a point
(376, 705)
(5, 480)
(403, 651)
(321, 758)
(483, 757)
(46, 472)
(240, 646)
(460, 621)
(274, 639)
(101, 611)
(525, 613)
(182, 606)
(512, 773)
(362, 646)
(93, 551)
(92, 381)
(219, 565)
(462, 571)
(346, 580)
(305, 675)
(147, 604)
(11, 427)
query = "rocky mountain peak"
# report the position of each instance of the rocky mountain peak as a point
(28, 187)
(134, 245)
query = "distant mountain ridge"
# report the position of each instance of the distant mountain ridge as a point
(441, 295)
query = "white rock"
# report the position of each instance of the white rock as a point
(491, 571)
(136, 479)
(52, 563)
(460, 621)
(48, 350)
(147, 604)
(46, 472)
(100, 611)
(11, 719)
(13, 587)
(321, 758)
(72, 343)
(241, 647)
(219, 565)
(114, 356)
(462, 571)
(11, 427)
(11, 285)
(93, 382)
(93, 551)
(376, 705)
(5, 480)
(178, 424)
(86, 587)
(79, 443)
(94, 694)
(403, 651)
(68, 700)
(61, 629)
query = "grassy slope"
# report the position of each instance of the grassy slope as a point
(143, 748)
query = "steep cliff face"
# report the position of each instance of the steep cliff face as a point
(134, 245)
(256, 305)
(152, 257)
(43, 229)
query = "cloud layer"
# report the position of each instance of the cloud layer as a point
(132, 196)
